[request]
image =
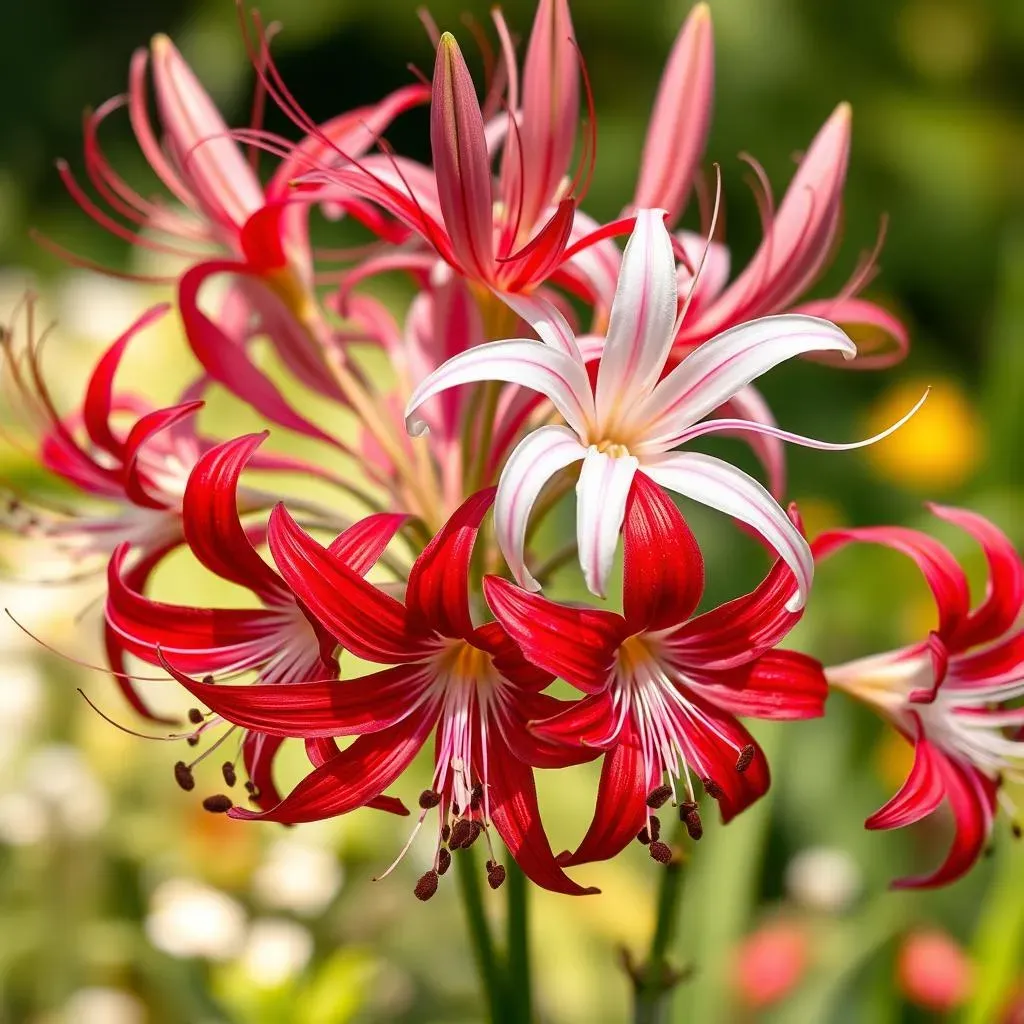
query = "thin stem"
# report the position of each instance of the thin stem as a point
(519, 973)
(488, 966)
(656, 978)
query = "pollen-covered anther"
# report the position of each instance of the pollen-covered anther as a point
(476, 798)
(192, 741)
(496, 875)
(444, 861)
(426, 886)
(745, 759)
(657, 797)
(713, 789)
(661, 852)
(219, 803)
(461, 834)
(1015, 828)
(195, 716)
(184, 777)
(654, 826)
(227, 769)
(694, 826)
(429, 798)
(207, 680)
(644, 836)
(446, 832)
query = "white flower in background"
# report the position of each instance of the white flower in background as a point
(103, 1006)
(187, 918)
(276, 951)
(299, 877)
(23, 821)
(59, 777)
(21, 702)
(823, 878)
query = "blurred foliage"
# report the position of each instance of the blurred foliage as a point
(88, 838)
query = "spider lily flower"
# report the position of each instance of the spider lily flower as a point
(467, 684)
(955, 695)
(630, 421)
(260, 231)
(279, 640)
(663, 688)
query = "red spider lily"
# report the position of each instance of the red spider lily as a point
(468, 684)
(663, 688)
(954, 695)
(280, 641)
(260, 229)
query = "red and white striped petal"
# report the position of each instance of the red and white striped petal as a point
(641, 327)
(557, 376)
(723, 487)
(601, 495)
(713, 373)
(545, 318)
(921, 793)
(535, 460)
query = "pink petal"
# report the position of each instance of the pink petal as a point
(885, 342)
(680, 120)
(601, 495)
(543, 316)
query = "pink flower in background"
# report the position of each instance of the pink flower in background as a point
(663, 688)
(933, 971)
(955, 694)
(771, 962)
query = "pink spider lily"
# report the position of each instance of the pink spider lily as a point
(663, 688)
(280, 640)
(632, 419)
(260, 230)
(955, 696)
(468, 684)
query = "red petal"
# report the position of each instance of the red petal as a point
(362, 618)
(921, 793)
(437, 597)
(353, 778)
(258, 753)
(539, 258)
(145, 428)
(576, 644)
(364, 542)
(663, 575)
(530, 743)
(992, 666)
(516, 816)
(212, 527)
(589, 722)
(779, 685)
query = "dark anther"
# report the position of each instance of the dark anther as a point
(183, 776)
(713, 789)
(476, 797)
(654, 824)
(496, 876)
(656, 798)
(192, 741)
(644, 836)
(444, 861)
(446, 831)
(694, 826)
(426, 886)
(227, 769)
(207, 680)
(461, 831)
(195, 716)
(475, 830)
(250, 787)
(743, 762)
(1016, 829)
(661, 852)
(218, 803)
(456, 810)
(686, 808)
(429, 798)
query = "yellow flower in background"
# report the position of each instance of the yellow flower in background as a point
(939, 448)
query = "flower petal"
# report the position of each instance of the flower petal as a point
(680, 120)
(601, 495)
(535, 460)
(714, 372)
(721, 486)
(748, 404)
(778, 685)
(641, 328)
(663, 571)
(575, 644)
(554, 374)
(882, 340)
(921, 793)
(362, 544)
(544, 317)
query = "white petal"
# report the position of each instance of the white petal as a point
(554, 374)
(642, 322)
(725, 364)
(543, 316)
(601, 496)
(534, 462)
(723, 487)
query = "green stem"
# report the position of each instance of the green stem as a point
(656, 979)
(488, 966)
(519, 975)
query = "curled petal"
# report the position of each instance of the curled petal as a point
(362, 544)
(535, 460)
(921, 793)
(778, 685)
(554, 374)
(680, 120)
(543, 316)
(136, 486)
(713, 373)
(601, 496)
(882, 340)
(715, 483)
(643, 313)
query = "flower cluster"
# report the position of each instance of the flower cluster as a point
(536, 357)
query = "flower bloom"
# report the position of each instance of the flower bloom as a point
(468, 684)
(280, 640)
(632, 419)
(663, 688)
(933, 971)
(954, 695)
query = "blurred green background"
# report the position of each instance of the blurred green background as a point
(122, 903)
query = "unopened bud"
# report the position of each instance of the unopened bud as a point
(426, 886)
